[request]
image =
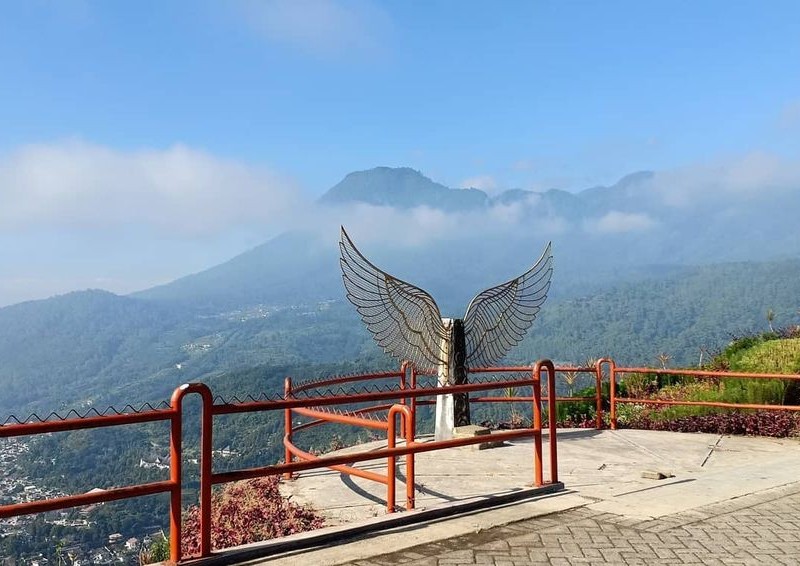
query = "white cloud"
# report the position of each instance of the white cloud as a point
(321, 27)
(178, 190)
(750, 176)
(75, 214)
(423, 225)
(616, 222)
(485, 183)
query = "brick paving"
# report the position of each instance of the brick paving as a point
(757, 529)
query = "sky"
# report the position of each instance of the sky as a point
(142, 141)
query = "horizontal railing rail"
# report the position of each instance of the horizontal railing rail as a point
(616, 372)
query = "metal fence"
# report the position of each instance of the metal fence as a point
(372, 401)
(299, 400)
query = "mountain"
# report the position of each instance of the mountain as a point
(403, 188)
(697, 307)
(57, 349)
(282, 302)
(291, 268)
(602, 235)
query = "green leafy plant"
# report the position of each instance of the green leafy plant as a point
(156, 551)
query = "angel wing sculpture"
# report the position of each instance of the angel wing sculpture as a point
(405, 320)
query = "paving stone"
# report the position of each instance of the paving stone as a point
(755, 531)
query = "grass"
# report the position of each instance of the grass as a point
(769, 356)
(772, 352)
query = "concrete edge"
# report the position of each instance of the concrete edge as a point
(312, 540)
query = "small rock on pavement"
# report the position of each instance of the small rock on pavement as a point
(655, 475)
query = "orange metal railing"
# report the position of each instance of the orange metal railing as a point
(313, 406)
(596, 372)
(407, 410)
(615, 372)
(400, 401)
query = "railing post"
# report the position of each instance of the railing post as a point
(287, 426)
(206, 425)
(407, 423)
(612, 392)
(552, 417)
(538, 476)
(175, 469)
(598, 390)
(410, 430)
(391, 464)
(176, 465)
(403, 400)
(413, 387)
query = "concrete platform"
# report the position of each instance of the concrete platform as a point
(601, 470)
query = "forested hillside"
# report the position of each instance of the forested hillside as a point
(700, 308)
(95, 348)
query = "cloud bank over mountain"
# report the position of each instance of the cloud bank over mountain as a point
(733, 181)
(81, 213)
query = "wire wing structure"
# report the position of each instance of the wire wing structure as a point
(497, 319)
(403, 319)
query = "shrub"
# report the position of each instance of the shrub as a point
(777, 424)
(245, 512)
(640, 385)
(628, 413)
(156, 551)
(579, 421)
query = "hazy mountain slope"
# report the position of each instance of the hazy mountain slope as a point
(61, 348)
(703, 307)
(106, 349)
(288, 269)
(94, 348)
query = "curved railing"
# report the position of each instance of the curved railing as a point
(410, 395)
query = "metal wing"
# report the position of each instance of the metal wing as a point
(403, 319)
(498, 318)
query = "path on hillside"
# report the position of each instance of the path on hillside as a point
(757, 529)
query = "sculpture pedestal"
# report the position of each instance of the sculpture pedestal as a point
(470, 431)
(452, 410)
(444, 423)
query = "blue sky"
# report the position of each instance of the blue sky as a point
(293, 95)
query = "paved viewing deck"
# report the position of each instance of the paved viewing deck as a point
(729, 500)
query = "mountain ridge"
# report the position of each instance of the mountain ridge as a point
(284, 300)
(405, 187)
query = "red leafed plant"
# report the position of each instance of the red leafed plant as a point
(758, 423)
(245, 512)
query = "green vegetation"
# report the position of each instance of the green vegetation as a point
(769, 352)
(685, 315)
(156, 551)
